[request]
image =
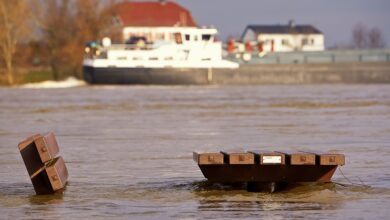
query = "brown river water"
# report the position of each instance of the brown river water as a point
(129, 149)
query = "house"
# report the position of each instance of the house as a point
(152, 20)
(284, 38)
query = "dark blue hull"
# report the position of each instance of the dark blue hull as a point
(113, 75)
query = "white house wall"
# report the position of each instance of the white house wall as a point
(293, 42)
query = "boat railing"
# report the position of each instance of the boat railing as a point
(130, 47)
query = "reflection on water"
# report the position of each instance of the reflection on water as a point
(129, 149)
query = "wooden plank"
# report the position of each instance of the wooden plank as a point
(57, 173)
(26, 142)
(36, 150)
(30, 154)
(269, 157)
(238, 158)
(51, 178)
(299, 158)
(328, 158)
(208, 158)
(47, 147)
(332, 159)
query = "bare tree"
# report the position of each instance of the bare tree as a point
(56, 22)
(360, 36)
(13, 17)
(364, 38)
(66, 25)
(93, 21)
(94, 17)
(376, 39)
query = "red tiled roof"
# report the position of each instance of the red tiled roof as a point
(153, 14)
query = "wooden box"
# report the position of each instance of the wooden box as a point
(239, 157)
(37, 150)
(299, 158)
(332, 159)
(208, 158)
(329, 159)
(50, 178)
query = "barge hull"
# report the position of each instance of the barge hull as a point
(141, 75)
(246, 74)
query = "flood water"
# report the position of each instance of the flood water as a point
(129, 149)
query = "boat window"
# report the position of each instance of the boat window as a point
(178, 38)
(160, 36)
(187, 37)
(148, 37)
(206, 37)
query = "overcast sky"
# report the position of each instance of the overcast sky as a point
(335, 18)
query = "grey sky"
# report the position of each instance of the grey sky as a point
(335, 18)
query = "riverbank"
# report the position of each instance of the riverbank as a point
(369, 72)
(27, 75)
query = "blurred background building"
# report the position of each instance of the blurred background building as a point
(284, 38)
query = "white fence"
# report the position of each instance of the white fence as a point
(329, 56)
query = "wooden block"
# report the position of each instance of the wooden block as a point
(238, 157)
(269, 157)
(50, 178)
(329, 159)
(37, 150)
(208, 158)
(47, 147)
(332, 159)
(30, 155)
(299, 158)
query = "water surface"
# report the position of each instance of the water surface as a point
(129, 149)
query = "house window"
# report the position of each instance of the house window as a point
(285, 42)
(187, 36)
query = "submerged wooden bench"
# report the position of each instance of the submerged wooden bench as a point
(47, 171)
(264, 167)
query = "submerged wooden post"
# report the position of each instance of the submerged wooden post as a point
(47, 172)
(268, 169)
